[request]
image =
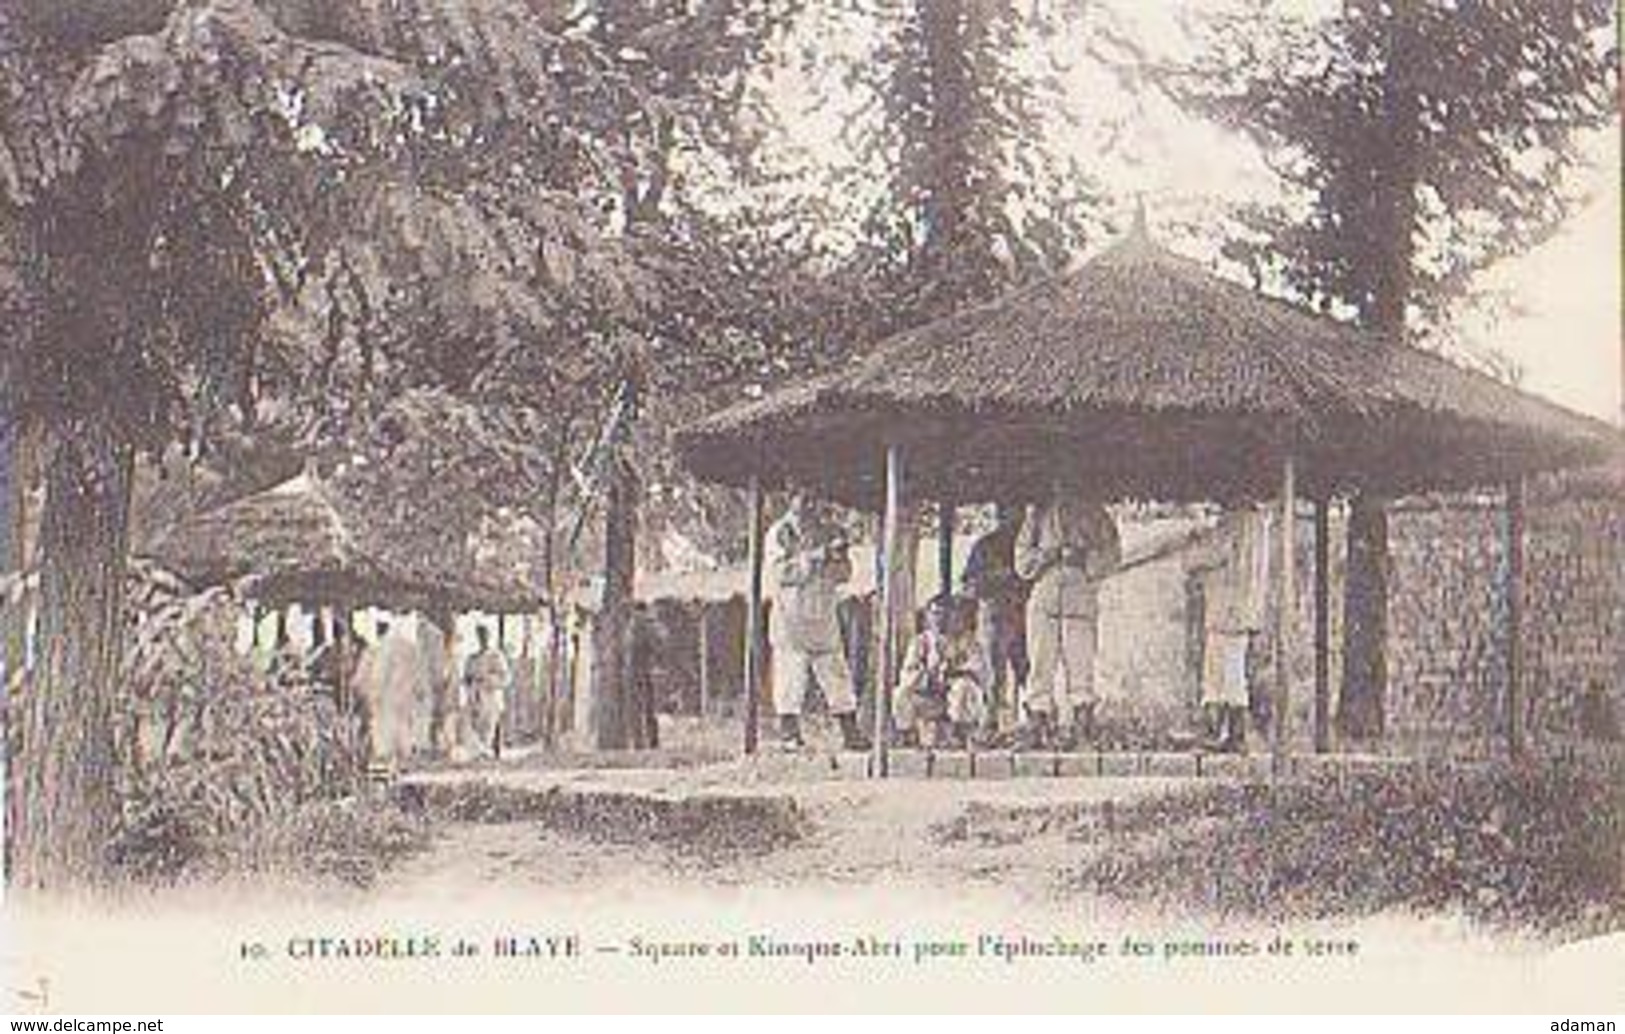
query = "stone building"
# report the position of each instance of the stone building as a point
(1447, 646)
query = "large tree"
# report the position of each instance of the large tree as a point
(227, 212)
(95, 232)
(956, 128)
(732, 297)
(1428, 139)
(212, 205)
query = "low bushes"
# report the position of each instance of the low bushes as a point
(1539, 846)
(224, 767)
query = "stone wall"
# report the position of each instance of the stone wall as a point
(1576, 637)
(1446, 609)
(1447, 633)
(1448, 600)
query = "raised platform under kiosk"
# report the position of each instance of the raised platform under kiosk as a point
(910, 763)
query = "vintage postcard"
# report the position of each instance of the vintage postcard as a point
(946, 506)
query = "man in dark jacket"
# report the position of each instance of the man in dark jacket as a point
(1001, 603)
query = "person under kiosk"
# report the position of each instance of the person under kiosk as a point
(487, 678)
(1066, 548)
(1234, 568)
(1001, 623)
(938, 701)
(808, 556)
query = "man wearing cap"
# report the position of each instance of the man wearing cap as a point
(1066, 548)
(808, 556)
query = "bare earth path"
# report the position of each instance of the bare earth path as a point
(620, 890)
(855, 833)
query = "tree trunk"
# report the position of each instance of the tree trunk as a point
(554, 712)
(1388, 281)
(614, 709)
(69, 800)
(13, 613)
(1360, 711)
(13, 556)
(946, 259)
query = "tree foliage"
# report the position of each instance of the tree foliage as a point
(223, 211)
(974, 195)
(1428, 139)
(347, 199)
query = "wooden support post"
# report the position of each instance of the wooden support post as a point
(891, 534)
(576, 667)
(344, 644)
(521, 720)
(1515, 504)
(1323, 625)
(945, 546)
(553, 686)
(753, 618)
(703, 633)
(1283, 616)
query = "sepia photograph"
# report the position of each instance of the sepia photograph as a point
(812, 506)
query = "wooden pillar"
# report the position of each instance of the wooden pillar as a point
(753, 618)
(890, 543)
(1283, 615)
(703, 633)
(1323, 624)
(1515, 519)
(526, 690)
(344, 643)
(577, 666)
(945, 546)
(554, 682)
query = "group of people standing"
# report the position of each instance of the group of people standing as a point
(414, 700)
(1018, 643)
(1010, 657)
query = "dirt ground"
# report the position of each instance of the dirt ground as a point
(626, 859)
(626, 863)
(849, 833)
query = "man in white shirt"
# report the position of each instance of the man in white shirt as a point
(1235, 572)
(1066, 549)
(486, 678)
(807, 556)
(394, 686)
